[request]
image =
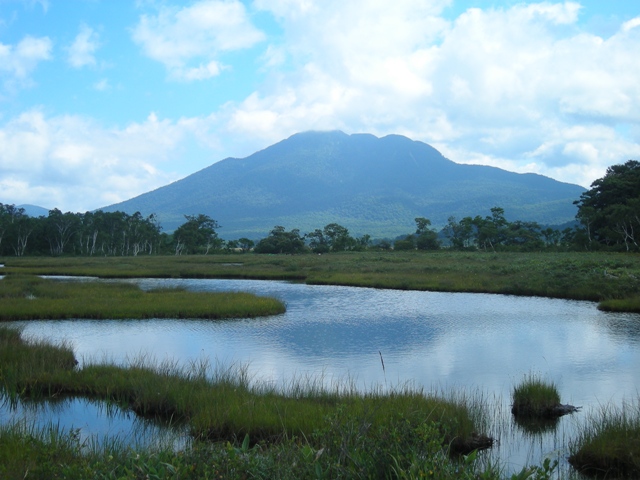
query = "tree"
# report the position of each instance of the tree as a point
(422, 225)
(460, 233)
(60, 228)
(196, 235)
(610, 210)
(525, 235)
(427, 239)
(9, 215)
(246, 244)
(406, 243)
(491, 231)
(318, 243)
(338, 237)
(363, 242)
(23, 226)
(281, 241)
(552, 236)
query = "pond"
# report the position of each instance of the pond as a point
(477, 343)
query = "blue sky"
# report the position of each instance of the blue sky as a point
(102, 100)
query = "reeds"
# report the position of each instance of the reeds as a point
(27, 297)
(609, 445)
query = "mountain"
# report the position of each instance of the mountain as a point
(34, 210)
(367, 184)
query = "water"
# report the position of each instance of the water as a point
(475, 342)
(94, 422)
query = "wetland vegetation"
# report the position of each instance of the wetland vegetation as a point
(535, 398)
(610, 278)
(304, 431)
(609, 444)
(26, 297)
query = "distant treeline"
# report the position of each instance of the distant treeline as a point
(608, 218)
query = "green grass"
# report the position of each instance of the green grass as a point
(337, 432)
(51, 453)
(26, 297)
(593, 276)
(609, 445)
(226, 408)
(631, 304)
(534, 397)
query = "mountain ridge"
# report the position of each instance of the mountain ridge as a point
(368, 184)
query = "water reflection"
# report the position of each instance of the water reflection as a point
(93, 422)
(470, 341)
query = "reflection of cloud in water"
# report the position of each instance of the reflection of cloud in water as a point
(425, 337)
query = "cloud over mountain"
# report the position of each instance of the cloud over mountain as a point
(543, 87)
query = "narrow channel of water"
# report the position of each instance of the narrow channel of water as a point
(482, 344)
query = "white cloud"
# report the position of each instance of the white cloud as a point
(501, 86)
(81, 52)
(72, 163)
(189, 40)
(631, 24)
(17, 62)
(102, 85)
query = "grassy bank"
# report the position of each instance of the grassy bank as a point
(239, 431)
(580, 276)
(26, 297)
(609, 445)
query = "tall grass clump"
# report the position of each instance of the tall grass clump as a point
(608, 446)
(535, 397)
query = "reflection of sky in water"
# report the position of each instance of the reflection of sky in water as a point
(94, 421)
(485, 342)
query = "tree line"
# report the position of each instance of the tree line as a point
(608, 218)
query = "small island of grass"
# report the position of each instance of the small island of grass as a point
(536, 398)
(28, 297)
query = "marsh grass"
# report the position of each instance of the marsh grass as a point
(29, 297)
(351, 434)
(21, 359)
(593, 276)
(535, 397)
(608, 446)
(54, 453)
(631, 304)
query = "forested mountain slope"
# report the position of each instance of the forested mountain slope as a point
(367, 184)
